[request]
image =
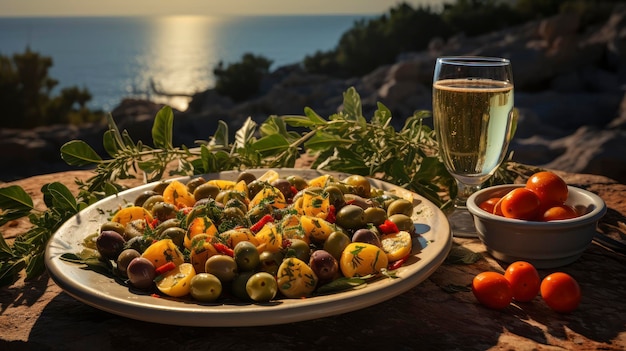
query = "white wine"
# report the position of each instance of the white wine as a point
(473, 120)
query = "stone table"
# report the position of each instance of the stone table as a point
(438, 314)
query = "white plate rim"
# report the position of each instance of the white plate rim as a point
(104, 293)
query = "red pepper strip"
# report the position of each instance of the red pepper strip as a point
(332, 214)
(165, 268)
(388, 227)
(223, 249)
(154, 223)
(398, 263)
(264, 220)
(294, 190)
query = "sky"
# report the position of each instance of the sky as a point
(11, 8)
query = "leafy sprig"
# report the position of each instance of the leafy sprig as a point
(346, 141)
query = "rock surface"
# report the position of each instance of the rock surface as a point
(569, 90)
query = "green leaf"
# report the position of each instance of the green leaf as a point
(352, 106)
(78, 153)
(461, 255)
(110, 144)
(271, 144)
(62, 197)
(245, 133)
(5, 249)
(162, 129)
(220, 138)
(322, 140)
(14, 197)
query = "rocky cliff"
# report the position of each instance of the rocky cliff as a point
(569, 89)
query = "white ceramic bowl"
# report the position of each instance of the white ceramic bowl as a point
(544, 244)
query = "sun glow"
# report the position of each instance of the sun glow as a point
(180, 58)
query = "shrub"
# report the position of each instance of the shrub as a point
(241, 80)
(25, 95)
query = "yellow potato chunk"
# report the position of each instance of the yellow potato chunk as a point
(270, 195)
(270, 238)
(295, 278)
(316, 205)
(199, 225)
(177, 194)
(200, 251)
(177, 282)
(396, 245)
(316, 229)
(163, 251)
(361, 259)
(132, 213)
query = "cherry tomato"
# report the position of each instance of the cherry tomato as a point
(549, 188)
(561, 292)
(524, 279)
(489, 204)
(559, 212)
(492, 289)
(497, 208)
(520, 203)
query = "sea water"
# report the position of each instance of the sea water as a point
(118, 57)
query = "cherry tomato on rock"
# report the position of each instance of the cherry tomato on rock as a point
(520, 203)
(559, 212)
(489, 204)
(492, 290)
(561, 292)
(549, 188)
(524, 279)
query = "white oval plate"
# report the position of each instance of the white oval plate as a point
(430, 250)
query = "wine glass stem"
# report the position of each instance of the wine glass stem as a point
(464, 192)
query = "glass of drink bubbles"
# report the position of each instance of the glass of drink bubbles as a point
(473, 113)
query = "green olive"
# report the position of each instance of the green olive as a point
(402, 206)
(375, 215)
(149, 203)
(205, 287)
(233, 213)
(335, 243)
(261, 287)
(177, 235)
(297, 181)
(206, 190)
(403, 222)
(238, 285)
(299, 249)
(164, 211)
(170, 223)
(361, 185)
(254, 187)
(144, 196)
(160, 188)
(258, 211)
(194, 183)
(335, 196)
(350, 217)
(226, 195)
(135, 228)
(222, 266)
(237, 203)
(246, 255)
(270, 261)
(124, 259)
(114, 226)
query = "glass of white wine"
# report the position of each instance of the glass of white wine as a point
(473, 113)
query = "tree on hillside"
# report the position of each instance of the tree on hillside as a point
(25, 94)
